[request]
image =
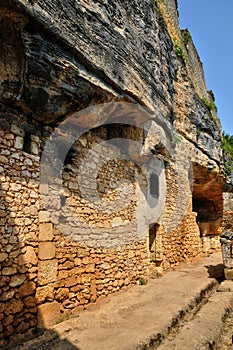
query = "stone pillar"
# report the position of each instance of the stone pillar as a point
(48, 308)
(226, 240)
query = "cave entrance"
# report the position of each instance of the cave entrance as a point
(205, 209)
(207, 218)
(207, 200)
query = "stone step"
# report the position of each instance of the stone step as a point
(50, 340)
(54, 340)
(204, 330)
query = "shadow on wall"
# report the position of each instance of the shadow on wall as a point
(19, 263)
(18, 267)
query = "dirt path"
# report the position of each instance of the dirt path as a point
(138, 318)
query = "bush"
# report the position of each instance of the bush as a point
(142, 281)
(186, 36)
(158, 8)
(210, 105)
(212, 94)
(227, 146)
(227, 143)
(179, 50)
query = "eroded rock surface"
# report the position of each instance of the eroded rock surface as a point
(58, 58)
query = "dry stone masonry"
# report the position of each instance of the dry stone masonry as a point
(57, 59)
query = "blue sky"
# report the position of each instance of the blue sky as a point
(211, 26)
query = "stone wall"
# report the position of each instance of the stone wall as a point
(19, 231)
(65, 61)
(46, 273)
(228, 211)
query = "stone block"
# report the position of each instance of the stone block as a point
(30, 256)
(73, 185)
(6, 271)
(3, 159)
(44, 188)
(117, 221)
(16, 306)
(35, 138)
(34, 148)
(71, 281)
(226, 286)
(228, 274)
(27, 288)
(16, 187)
(90, 268)
(3, 213)
(30, 302)
(43, 216)
(47, 271)
(62, 294)
(48, 314)
(3, 256)
(45, 293)
(18, 131)
(8, 320)
(77, 261)
(27, 161)
(68, 265)
(46, 250)
(46, 232)
(17, 280)
(63, 274)
(31, 210)
(7, 295)
(19, 141)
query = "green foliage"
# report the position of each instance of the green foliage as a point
(212, 94)
(65, 317)
(210, 105)
(227, 146)
(142, 281)
(198, 132)
(179, 50)
(213, 117)
(186, 36)
(229, 169)
(158, 8)
(227, 143)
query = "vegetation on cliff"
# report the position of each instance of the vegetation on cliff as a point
(227, 146)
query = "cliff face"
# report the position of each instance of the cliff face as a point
(63, 60)
(114, 70)
(63, 46)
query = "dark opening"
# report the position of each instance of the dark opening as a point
(205, 209)
(63, 201)
(27, 143)
(154, 185)
(70, 157)
(152, 242)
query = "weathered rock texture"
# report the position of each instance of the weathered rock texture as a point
(58, 57)
(228, 211)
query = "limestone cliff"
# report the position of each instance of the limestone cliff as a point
(130, 60)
